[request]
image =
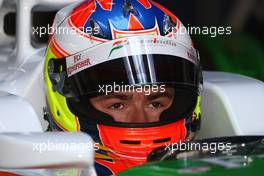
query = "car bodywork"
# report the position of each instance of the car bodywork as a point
(231, 104)
(244, 156)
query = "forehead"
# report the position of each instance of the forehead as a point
(136, 93)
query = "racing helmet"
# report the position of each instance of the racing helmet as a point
(121, 43)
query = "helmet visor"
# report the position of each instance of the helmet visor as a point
(134, 61)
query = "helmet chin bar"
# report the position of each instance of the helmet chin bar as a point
(133, 145)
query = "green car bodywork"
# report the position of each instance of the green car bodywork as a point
(199, 167)
(243, 158)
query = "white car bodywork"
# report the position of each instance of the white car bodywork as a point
(49, 154)
(22, 99)
(231, 104)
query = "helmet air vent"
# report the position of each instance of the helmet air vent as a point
(129, 142)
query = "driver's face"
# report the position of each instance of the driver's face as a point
(134, 107)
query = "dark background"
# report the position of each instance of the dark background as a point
(242, 15)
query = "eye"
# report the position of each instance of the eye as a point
(155, 105)
(116, 106)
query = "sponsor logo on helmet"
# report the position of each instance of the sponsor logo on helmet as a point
(117, 45)
(79, 64)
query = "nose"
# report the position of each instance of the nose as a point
(138, 115)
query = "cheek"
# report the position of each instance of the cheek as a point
(153, 112)
(98, 106)
(118, 115)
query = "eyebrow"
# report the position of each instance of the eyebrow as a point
(150, 97)
(160, 94)
(118, 96)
